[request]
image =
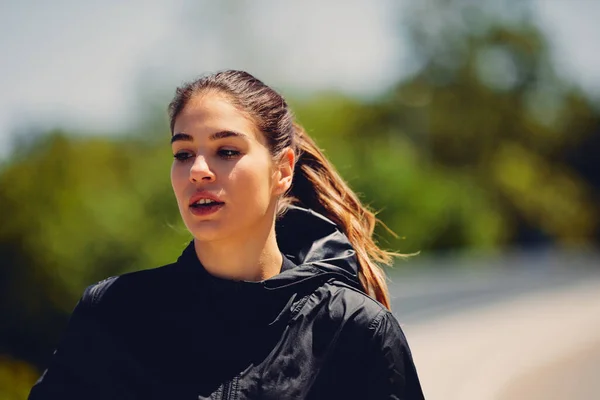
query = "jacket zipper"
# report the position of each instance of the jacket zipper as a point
(228, 389)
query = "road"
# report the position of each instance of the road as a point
(524, 326)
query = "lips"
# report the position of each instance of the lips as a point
(204, 195)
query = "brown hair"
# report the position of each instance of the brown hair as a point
(316, 184)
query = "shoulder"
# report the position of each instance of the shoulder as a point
(366, 321)
(360, 325)
(130, 286)
(352, 307)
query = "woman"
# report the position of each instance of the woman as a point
(277, 296)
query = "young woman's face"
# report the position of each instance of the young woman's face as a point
(223, 176)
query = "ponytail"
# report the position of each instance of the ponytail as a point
(318, 186)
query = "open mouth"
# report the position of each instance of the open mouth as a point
(205, 207)
(205, 203)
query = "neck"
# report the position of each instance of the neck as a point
(251, 258)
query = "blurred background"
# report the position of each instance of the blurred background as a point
(473, 127)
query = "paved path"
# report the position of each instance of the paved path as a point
(502, 348)
(576, 376)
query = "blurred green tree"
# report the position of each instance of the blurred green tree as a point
(472, 150)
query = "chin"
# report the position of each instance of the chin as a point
(206, 231)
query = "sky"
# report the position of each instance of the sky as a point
(86, 65)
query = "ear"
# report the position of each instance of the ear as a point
(284, 172)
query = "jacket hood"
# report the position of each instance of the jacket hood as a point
(316, 245)
(314, 250)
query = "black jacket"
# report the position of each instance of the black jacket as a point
(177, 332)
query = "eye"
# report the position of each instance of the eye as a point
(182, 156)
(228, 153)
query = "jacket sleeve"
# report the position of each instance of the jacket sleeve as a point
(392, 373)
(89, 361)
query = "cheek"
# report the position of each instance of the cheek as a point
(178, 179)
(250, 184)
(255, 176)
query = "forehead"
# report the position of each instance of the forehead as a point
(211, 112)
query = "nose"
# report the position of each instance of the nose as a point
(201, 171)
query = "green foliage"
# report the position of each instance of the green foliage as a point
(88, 208)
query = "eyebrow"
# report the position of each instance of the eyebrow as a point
(181, 136)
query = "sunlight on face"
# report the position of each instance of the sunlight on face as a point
(220, 154)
